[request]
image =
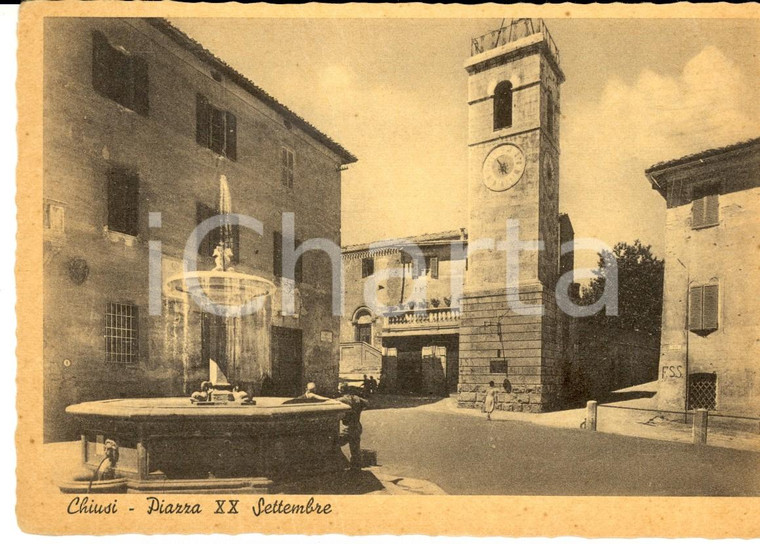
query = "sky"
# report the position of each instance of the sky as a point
(393, 92)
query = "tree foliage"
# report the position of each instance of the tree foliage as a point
(640, 279)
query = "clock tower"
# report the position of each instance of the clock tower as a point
(509, 319)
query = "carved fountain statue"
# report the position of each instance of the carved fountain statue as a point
(219, 438)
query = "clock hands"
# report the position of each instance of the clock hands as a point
(503, 168)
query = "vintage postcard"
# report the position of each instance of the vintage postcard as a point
(400, 269)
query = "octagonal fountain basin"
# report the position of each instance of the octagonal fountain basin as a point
(220, 287)
(173, 445)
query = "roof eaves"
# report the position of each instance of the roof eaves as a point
(203, 54)
(701, 155)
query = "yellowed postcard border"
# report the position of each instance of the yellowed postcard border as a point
(40, 511)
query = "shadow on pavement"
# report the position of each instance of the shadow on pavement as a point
(380, 401)
(348, 482)
(620, 396)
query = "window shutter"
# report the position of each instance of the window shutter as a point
(207, 245)
(140, 73)
(710, 307)
(202, 120)
(299, 265)
(698, 213)
(434, 267)
(115, 199)
(230, 145)
(277, 254)
(695, 308)
(132, 204)
(123, 201)
(111, 69)
(368, 267)
(100, 52)
(711, 210)
(217, 130)
(417, 268)
(235, 228)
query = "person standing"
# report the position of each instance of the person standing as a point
(490, 402)
(351, 427)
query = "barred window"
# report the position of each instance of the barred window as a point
(121, 333)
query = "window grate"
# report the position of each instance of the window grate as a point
(121, 333)
(702, 391)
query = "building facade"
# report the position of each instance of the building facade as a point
(504, 326)
(710, 337)
(402, 306)
(140, 123)
(510, 325)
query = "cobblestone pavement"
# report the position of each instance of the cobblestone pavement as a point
(465, 454)
(632, 417)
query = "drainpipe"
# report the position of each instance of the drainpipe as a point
(686, 363)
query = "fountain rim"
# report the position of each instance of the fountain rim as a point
(178, 282)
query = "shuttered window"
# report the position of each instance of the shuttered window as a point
(215, 128)
(368, 266)
(705, 205)
(287, 167)
(432, 266)
(123, 201)
(119, 76)
(703, 307)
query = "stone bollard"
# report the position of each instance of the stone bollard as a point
(591, 415)
(699, 427)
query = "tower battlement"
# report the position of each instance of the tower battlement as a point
(512, 31)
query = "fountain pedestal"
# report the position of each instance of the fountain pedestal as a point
(171, 445)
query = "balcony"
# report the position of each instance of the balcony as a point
(430, 321)
(514, 30)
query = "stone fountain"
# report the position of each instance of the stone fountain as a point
(219, 438)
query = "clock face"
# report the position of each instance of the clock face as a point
(503, 167)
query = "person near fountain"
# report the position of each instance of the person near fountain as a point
(204, 395)
(311, 392)
(351, 427)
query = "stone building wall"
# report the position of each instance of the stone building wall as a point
(86, 133)
(726, 253)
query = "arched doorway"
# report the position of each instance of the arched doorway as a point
(363, 326)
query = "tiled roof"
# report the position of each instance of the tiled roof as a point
(701, 155)
(445, 236)
(236, 77)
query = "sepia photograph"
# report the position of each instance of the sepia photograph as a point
(284, 257)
